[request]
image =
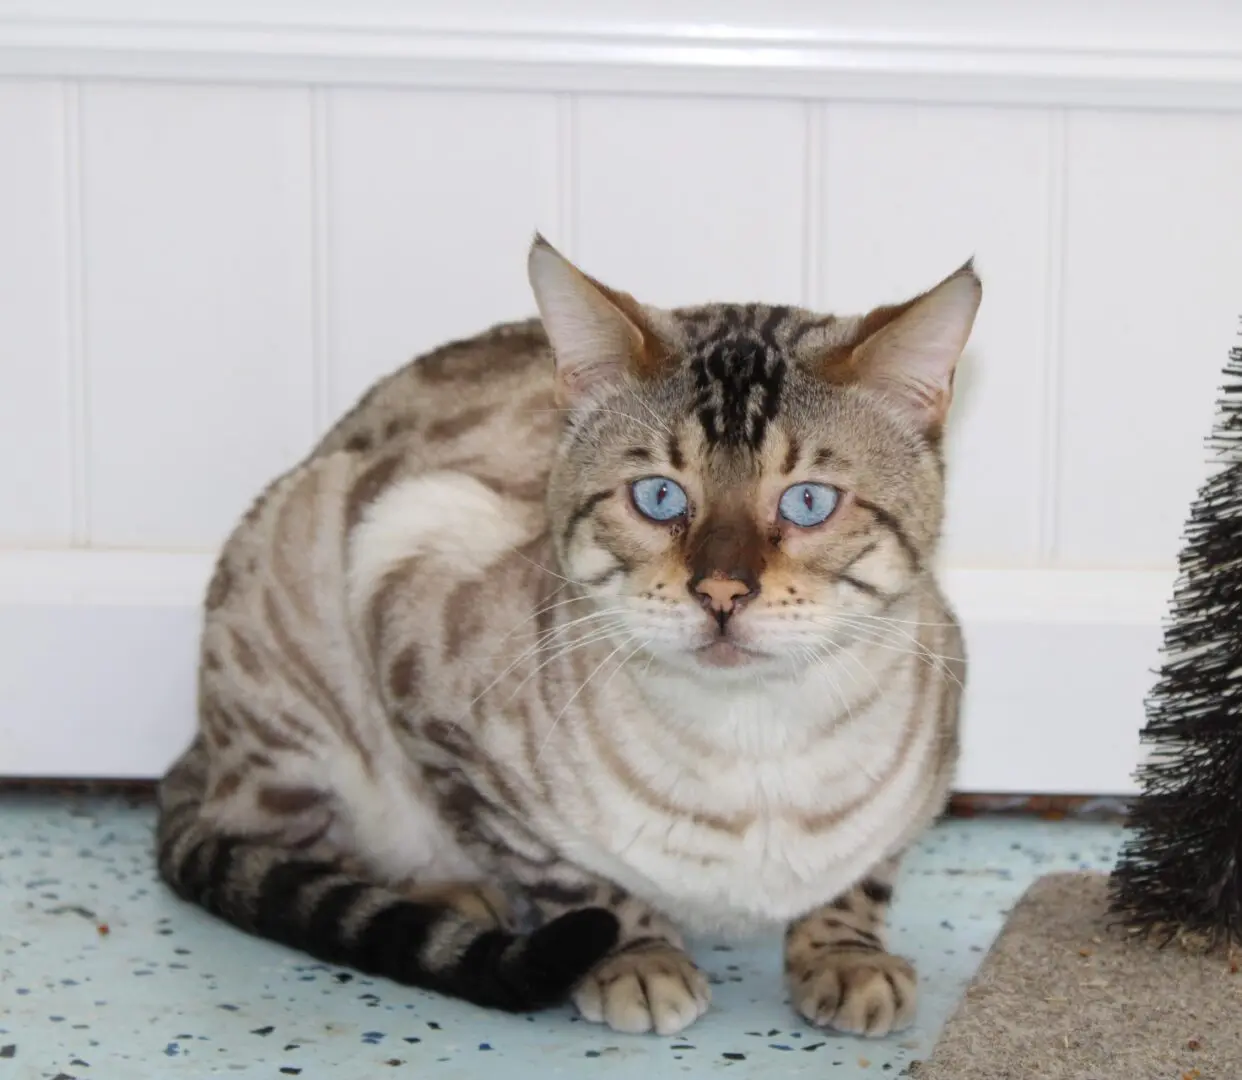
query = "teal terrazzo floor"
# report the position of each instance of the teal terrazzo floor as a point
(169, 992)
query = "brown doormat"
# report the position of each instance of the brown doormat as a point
(1060, 996)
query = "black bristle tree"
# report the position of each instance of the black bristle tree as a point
(1180, 870)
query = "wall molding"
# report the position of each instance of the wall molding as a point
(1059, 52)
(101, 647)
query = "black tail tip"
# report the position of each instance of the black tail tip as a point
(560, 953)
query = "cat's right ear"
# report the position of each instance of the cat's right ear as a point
(598, 335)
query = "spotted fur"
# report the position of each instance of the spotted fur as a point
(469, 721)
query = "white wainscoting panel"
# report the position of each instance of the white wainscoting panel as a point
(37, 448)
(127, 708)
(1060, 664)
(909, 193)
(432, 200)
(681, 200)
(197, 253)
(1153, 292)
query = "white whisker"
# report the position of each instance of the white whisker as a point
(545, 609)
(637, 649)
(551, 573)
(890, 619)
(894, 630)
(593, 637)
(573, 697)
(893, 639)
(610, 412)
(543, 642)
(653, 414)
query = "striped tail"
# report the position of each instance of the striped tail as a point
(312, 905)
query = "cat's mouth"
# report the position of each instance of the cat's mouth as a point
(726, 653)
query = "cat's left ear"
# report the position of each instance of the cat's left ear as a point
(599, 335)
(910, 352)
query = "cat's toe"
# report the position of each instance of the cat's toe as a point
(869, 994)
(653, 989)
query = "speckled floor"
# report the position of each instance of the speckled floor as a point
(105, 975)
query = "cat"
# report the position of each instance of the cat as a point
(585, 633)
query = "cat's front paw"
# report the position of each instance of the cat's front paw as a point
(649, 986)
(868, 993)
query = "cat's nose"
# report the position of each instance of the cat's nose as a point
(722, 595)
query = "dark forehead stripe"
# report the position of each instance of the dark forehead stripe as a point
(738, 370)
(675, 457)
(767, 325)
(792, 454)
(803, 328)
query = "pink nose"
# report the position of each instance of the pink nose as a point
(720, 594)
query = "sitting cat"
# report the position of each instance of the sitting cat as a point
(585, 632)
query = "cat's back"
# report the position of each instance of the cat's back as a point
(482, 405)
(468, 400)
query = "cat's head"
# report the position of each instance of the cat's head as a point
(742, 487)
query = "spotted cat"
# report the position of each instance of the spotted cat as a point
(584, 633)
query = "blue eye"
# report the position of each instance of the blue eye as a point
(659, 498)
(809, 504)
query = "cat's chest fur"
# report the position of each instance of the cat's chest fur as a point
(747, 823)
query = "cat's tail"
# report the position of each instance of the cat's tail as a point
(314, 906)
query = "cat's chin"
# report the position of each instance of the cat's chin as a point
(723, 653)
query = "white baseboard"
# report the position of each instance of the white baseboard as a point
(98, 652)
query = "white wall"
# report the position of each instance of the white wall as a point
(219, 224)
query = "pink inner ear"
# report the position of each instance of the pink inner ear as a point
(598, 335)
(574, 384)
(921, 389)
(914, 356)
